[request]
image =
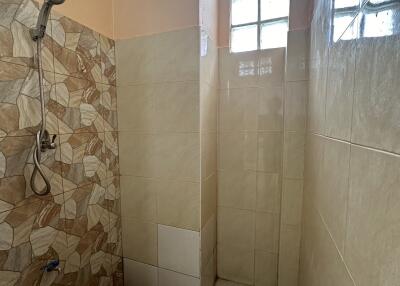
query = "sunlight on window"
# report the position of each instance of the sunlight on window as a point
(271, 9)
(244, 11)
(263, 27)
(379, 24)
(273, 35)
(244, 38)
(340, 24)
(346, 3)
(378, 18)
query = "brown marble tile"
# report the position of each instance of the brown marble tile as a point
(111, 154)
(76, 49)
(30, 236)
(87, 226)
(79, 223)
(79, 105)
(113, 202)
(16, 45)
(107, 48)
(20, 112)
(109, 107)
(82, 159)
(16, 166)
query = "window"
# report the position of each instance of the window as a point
(258, 24)
(376, 18)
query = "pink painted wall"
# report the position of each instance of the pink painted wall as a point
(224, 21)
(143, 17)
(95, 14)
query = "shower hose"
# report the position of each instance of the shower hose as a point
(41, 143)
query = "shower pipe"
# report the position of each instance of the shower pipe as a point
(43, 141)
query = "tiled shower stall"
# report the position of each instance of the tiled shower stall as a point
(181, 163)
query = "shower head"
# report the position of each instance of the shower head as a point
(40, 30)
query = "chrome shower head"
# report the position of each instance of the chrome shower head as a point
(40, 30)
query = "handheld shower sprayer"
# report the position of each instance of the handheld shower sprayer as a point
(40, 30)
(43, 141)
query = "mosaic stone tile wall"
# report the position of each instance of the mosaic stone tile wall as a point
(79, 222)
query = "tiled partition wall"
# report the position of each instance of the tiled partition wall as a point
(159, 119)
(250, 165)
(168, 119)
(352, 174)
(295, 108)
(208, 131)
(79, 222)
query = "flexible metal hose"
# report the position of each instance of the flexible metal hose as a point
(40, 134)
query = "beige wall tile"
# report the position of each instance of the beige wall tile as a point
(164, 57)
(371, 248)
(296, 106)
(236, 227)
(266, 269)
(237, 69)
(237, 109)
(321, 258)
(289, 249)
(139, 198)
(208, 199)
(179, 250)
(268, 192)
(139, 240)
(271, 66)
(236, 264)
(171, 278)
(267, 232)
(208, 154)
(314, 158)
(270, 108)
(208, 58)
(332, 198)
(293, 157)
(209, 272)
(178, 204)
(270, 146)
(317, 95)
(297, 54)
(376, 117)
(177, 107)
(340, 89)
(159, 107)
(139, 274)
(209, 95)
(237, 189)
(170, 156)
(237, 151)
(208, 240)
(136, 108)
(292, 201)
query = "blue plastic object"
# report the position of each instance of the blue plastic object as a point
(51, 266)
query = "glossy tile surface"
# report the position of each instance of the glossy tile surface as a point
(352, 152)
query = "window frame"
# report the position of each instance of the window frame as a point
(357, 10)
(258, 23)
